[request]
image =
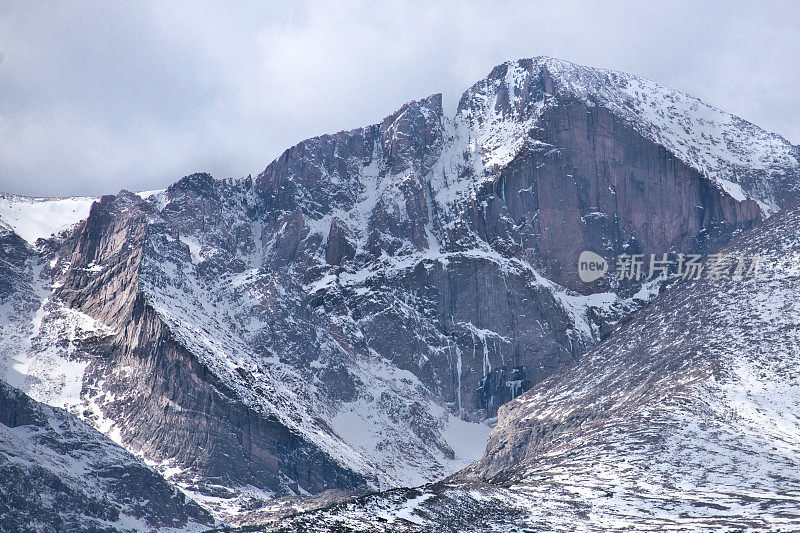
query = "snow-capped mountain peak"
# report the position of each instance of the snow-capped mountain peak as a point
(742, 158)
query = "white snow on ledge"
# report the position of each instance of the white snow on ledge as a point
(35, 218)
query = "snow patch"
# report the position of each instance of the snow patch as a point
(39, 218)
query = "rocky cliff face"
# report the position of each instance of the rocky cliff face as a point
(168, 405)
(353, 316)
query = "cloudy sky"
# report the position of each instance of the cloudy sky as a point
(97, 96)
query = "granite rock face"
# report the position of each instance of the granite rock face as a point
(170, 407)
(586, 174)
(355, 314)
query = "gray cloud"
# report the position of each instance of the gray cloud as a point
(97, 96)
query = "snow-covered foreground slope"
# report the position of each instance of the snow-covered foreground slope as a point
(685, 419)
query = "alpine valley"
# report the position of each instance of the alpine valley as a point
(385, 330)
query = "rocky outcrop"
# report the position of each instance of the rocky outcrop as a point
(58, 474)
(13, 262)
(698, 345)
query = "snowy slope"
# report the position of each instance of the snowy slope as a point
(686, 417)
(700, 134)
(36, 218)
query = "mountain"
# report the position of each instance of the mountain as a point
(684, 419)
(353, 318)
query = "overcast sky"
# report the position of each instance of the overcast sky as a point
(98, 96)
